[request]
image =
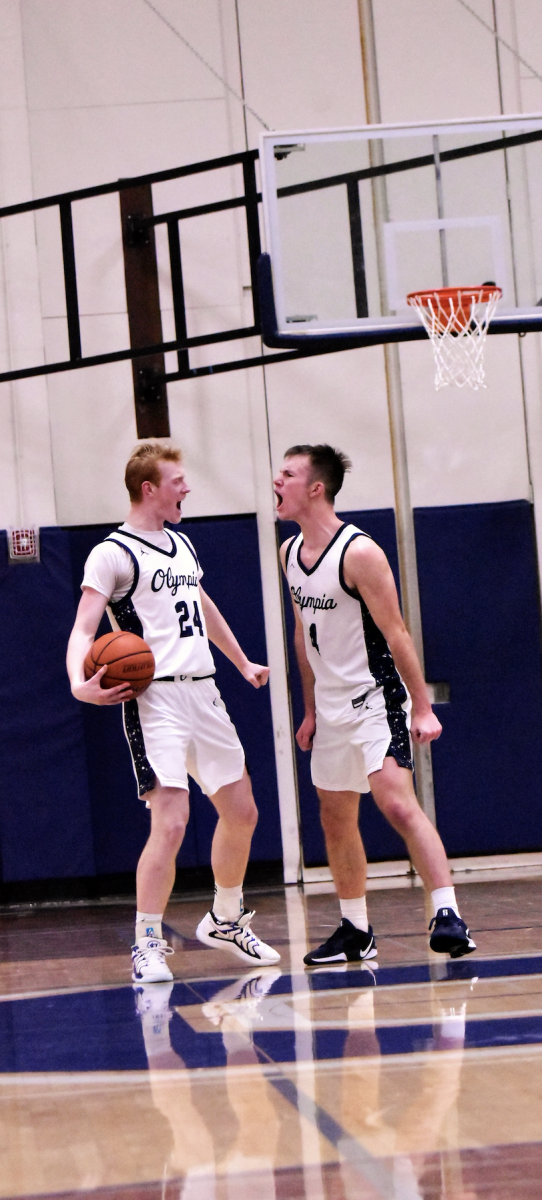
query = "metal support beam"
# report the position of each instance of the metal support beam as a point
(144, 316)
(177, 288)
(70, 280)
(253, 231)
(356, 241)
(404, 517)
(440, 210)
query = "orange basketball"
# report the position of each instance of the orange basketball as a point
(128, 660)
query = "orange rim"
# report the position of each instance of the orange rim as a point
(459, 295)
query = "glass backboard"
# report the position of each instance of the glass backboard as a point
(356, 219)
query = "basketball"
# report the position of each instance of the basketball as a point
(128, 660)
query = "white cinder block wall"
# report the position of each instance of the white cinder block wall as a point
(92, 90)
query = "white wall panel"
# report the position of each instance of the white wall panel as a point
(26, 479)
(435, 60)
(93, 425)
(80, 147)
(113, 92)
(210, 421)
(339, 399)
(519, 26)
(301, 63)
(105, 53)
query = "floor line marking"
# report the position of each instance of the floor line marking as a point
(374, 1171)
(92, 1079)
(192, 981)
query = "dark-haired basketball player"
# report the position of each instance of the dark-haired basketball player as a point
(148, 577)
(361, 678)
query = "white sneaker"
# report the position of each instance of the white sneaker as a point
(148, 960)
(236, 937)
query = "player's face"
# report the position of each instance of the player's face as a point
(292, 486)
(170, 493)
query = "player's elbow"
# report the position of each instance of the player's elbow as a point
(396, 635)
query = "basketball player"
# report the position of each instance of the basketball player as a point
(148, 577)
(361, 679)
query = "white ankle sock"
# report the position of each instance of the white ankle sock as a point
(444, 898)
(228, 902)
(148, 925)
(356, 912)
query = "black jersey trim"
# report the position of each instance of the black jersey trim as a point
(146, 778)
(132, 589)
(168, 553)
(289, 550)
(311, 570)
(126, 616)
(350, 591)
(189, 547)
(386, 676)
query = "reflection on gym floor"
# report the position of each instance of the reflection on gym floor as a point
(416, 1079)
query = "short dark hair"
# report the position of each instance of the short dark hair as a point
(328, 466)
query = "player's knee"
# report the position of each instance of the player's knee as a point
(400, 813)
(237, 806)
(175, 831)
(171, 827)
(247, 813)
(241, 815)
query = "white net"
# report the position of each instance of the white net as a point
(456, 320)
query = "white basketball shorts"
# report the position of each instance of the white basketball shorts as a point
(344, 755)
(181, 728)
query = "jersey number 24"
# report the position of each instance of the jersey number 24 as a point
(184, 616)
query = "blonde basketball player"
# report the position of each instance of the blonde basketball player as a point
(364, 691)
(148, 578)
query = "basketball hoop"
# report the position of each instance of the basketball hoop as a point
(456, 320)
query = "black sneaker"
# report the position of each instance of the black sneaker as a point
(347, 944)
(449, 934)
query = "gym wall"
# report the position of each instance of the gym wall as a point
(68, 797)
(93, 90)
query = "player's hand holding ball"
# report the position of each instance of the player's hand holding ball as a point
(118, 667)
(91, 692)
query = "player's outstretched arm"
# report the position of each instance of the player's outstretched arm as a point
(307, 729)
(89, 614)
(366, 569)
(220, 633)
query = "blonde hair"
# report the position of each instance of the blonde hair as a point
(144, 466)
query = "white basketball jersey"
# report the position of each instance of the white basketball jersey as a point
(163, 604)
(346, 650)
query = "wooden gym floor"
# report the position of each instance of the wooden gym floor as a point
(418, 1080)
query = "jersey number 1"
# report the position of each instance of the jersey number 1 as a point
(184, 616)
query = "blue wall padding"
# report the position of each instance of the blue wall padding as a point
(480, 611)
(228, 551)
(68, 803)
(481, 621)
(45, 813)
